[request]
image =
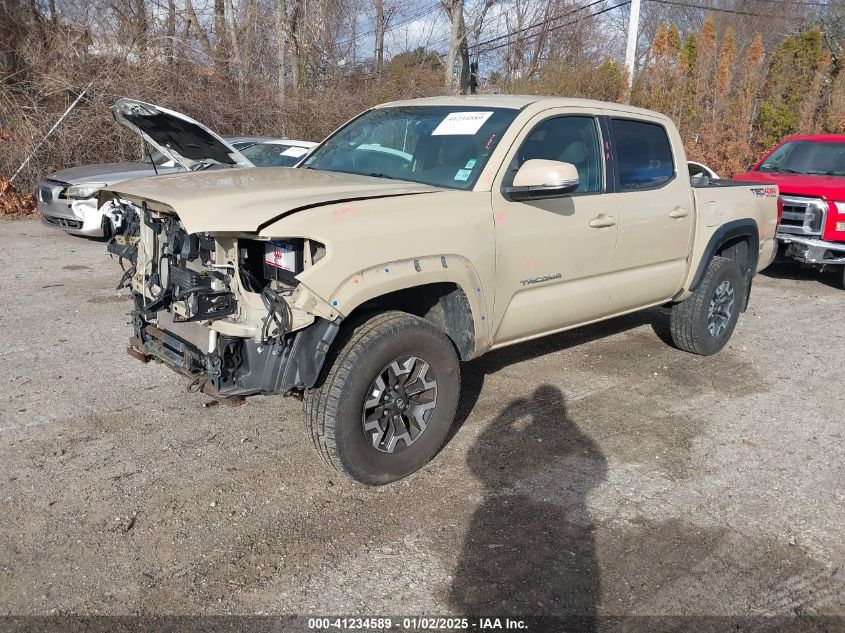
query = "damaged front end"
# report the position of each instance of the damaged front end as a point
(225, 311)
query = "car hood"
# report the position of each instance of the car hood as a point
(827, 187)
(248, 200)
(109, 173)
(186, 141)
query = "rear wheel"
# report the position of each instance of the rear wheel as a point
(386, 402)
(704, 322)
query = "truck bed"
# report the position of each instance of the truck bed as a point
(723, 206)
(706, 183)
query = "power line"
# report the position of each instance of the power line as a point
(540, 23)
(814, 3)
(404, 22)
(691, 5)
(416, 16)
(554, 28)
(808, 3)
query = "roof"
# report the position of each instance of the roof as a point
(820, 138)
(516, 102)
(288, 141)
(249, 139)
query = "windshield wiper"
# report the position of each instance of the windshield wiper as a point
(379, 175)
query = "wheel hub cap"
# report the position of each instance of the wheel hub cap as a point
(399, 404)
(721, 308)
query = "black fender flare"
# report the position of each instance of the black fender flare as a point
(724, 234)
(744, 228)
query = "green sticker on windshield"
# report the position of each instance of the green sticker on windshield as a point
(470, 163)
(463, 174)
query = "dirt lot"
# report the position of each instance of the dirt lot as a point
(600, 471)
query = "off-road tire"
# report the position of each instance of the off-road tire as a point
(688, 322)
(333, 409)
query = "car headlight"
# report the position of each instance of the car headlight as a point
(840, 207)
(84, 192)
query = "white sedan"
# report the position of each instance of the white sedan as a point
(697, 170)
(278, 152)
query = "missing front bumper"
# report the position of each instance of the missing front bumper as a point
(238, 367)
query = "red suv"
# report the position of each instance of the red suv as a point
(810, 173)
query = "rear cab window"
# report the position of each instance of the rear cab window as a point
(643, 154)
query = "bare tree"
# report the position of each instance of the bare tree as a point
(195, 27)
(457, 40)
(379, 52)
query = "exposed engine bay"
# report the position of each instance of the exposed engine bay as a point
(225, 312)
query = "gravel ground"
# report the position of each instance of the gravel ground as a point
(599, 471)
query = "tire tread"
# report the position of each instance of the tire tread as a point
(322, 404)
(683, 322)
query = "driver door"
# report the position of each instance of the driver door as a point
(554, 256)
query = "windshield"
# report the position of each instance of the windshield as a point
(161, 160)
(274, 154)
(437, 145)
(807, 157)
(158, 159)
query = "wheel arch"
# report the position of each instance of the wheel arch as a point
(738, 240)
(445, 290)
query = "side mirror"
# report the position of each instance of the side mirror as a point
(538, 179)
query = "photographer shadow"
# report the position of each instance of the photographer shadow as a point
(530, 548)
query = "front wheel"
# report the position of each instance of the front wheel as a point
(703, 323)
(384, 406)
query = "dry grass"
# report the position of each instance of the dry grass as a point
(14, 204)
(89, 135)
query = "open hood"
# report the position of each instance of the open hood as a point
(181, 138)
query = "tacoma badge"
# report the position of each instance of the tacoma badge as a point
(538, 280)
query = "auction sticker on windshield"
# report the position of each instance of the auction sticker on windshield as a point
(294, 151)
(461, 123)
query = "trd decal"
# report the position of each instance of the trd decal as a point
(765, 192)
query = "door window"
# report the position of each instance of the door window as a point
(643, 154)
(569, 139)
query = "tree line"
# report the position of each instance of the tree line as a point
(736, 78)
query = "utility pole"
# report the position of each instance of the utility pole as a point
(631, 48)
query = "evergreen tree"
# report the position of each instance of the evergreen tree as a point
(793, 84)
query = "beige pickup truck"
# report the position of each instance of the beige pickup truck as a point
(421, 234)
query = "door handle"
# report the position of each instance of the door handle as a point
(602, 221)
(678, 212)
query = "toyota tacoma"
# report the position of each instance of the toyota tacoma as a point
(421, 234)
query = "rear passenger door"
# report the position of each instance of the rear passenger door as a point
(655, 213)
